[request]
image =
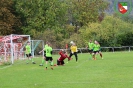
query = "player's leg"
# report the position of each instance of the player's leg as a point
(90, 51)
(76, 56)
(43, 60)
(62, 63)
(101, 54)
(27, 55)
(51, 62)
(70, 55)
(94, 55)
(46, 63)
(58, 62)
(97, 52)
(31, 58)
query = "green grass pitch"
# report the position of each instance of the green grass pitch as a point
(114, 71)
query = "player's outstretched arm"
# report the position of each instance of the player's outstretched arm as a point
(69, 58)
(41, 51)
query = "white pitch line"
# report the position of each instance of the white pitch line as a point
(96, 82)
(6, 67)
(10, 65)
(81, 63)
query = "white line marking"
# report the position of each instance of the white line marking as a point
(6, 67)
(81, 63)
(11, 65)
(96, 82)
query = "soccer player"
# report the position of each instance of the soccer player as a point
(96, 49)
(74, 51)
(44, 54)
(90, 48)
(63, 56)
(48, 50)
(100, 50)
(28, 53)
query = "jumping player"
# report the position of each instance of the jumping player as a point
(28, 53)
(63, 56)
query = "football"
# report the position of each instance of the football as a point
(71, 42)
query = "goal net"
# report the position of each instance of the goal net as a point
(12, 47)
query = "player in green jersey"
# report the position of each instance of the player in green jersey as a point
(90, 48)
(44, 54)
(49, 56)
(48, 50)
(96, 50)
(28, 53)
(100, 51)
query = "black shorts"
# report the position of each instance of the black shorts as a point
(28, 55)
(44, 54)
(90, 51)
(49, 58)
(95, 52)
(60, 62)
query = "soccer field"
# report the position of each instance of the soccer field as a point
(114, 71)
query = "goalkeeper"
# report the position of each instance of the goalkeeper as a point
(63, 56)
(74, 51)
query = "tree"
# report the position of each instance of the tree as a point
(112, 27)
(83, 12)
(8, 20)
(111, 31)
(41, 15)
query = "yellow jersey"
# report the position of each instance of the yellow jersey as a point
(73, 49)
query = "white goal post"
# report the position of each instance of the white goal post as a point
(34, 45)
(11, 46)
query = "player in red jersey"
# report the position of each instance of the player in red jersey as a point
(63, 56)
